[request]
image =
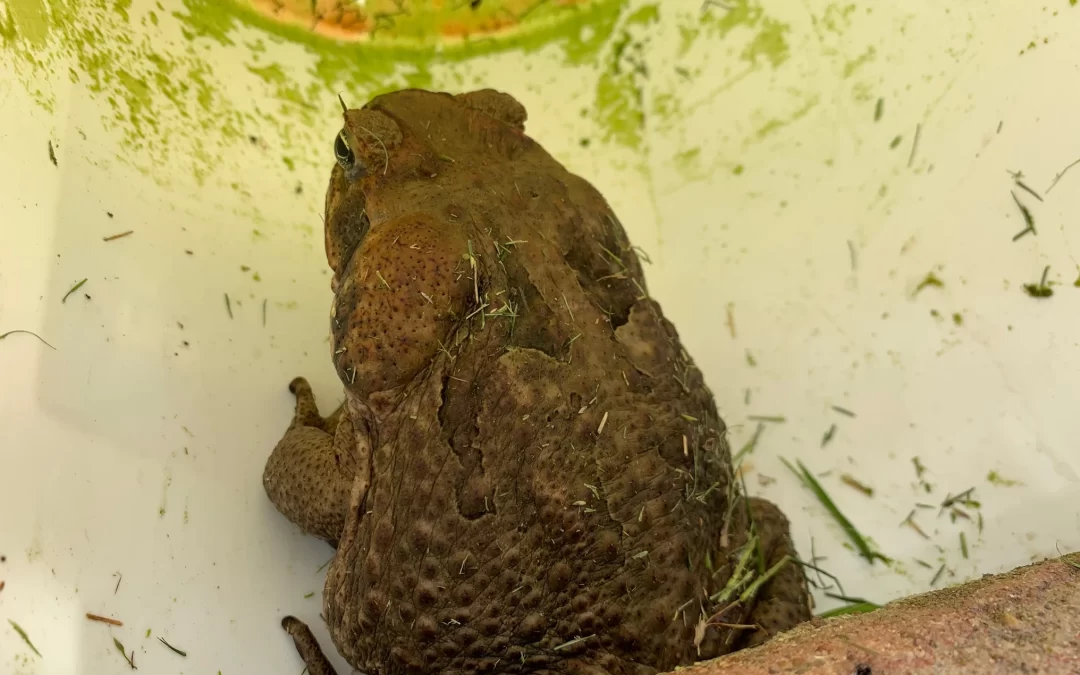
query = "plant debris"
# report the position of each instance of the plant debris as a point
(749, 447)
(1024, 186)
(181, 652)
(740, 575)
(962, 498)
(573, 642)
(1041, 289)
(1029, 220)
(860, 542)
(851, 481)
(73, 289)
(13, 332)
(114, 237)
(937, 575)
(994, 478)
(228, 305)
(52, 155)
(963, 545)
(879, 109)
(778, 419)
(910, 522)
(22, 633)
(853, 608)
(843, 411)
(920, 468)
(123, 652)
(828, 436)
(603, 422)
(930, 280)
(118, 574)
(1059, 176)
(915, 145)
(752, 589)
(104, 619)
(965, 499)
(813, 566)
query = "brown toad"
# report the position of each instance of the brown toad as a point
(528, 473)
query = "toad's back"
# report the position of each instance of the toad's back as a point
(550, 490)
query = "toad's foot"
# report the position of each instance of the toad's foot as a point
(308, 647)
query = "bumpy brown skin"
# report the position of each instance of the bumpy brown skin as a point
(539, 477)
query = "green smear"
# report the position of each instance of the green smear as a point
(855, 64)
(836, 18)
(770, 40)
(619, 104)
(769, 43)
(27, 19)
(775, 125)
(172, 110)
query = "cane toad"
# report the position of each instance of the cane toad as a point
(528, 473)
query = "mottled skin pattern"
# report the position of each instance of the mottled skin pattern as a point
(529, 473)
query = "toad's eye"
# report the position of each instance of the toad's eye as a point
(343, 152)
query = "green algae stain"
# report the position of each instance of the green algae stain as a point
(774, 125)
(166, 95)
(28, 20)
(688, 164)
(855, 64)
(769, 40)
(769, 43)
(739, 13)
(210, 19)
(837, 19)
(688, 33)
(619, 103)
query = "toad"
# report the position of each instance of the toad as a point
(528, 473)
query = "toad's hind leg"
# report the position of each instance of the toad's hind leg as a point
(308, 647)
(309, 475)
(784, 601)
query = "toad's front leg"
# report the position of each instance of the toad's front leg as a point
(309, 475)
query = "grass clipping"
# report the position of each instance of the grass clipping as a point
(742, 587)
(857, 539)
